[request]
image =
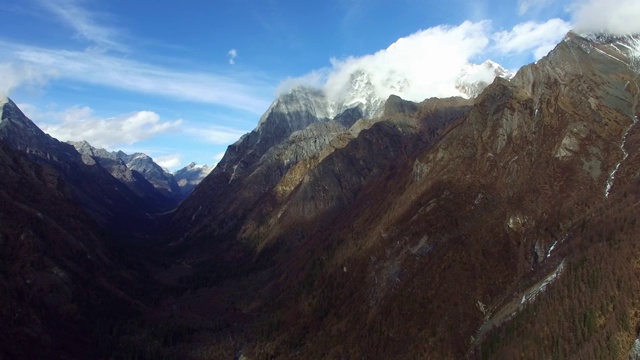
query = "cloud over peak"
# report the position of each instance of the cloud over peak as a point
(618, 18)
(531, 36)
(420, 65)
(428, 62)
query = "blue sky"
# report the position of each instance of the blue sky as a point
(182, 80)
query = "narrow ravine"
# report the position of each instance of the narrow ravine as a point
(625, 154)
(499, 315)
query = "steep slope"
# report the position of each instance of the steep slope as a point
(64, 285)
(109, 202)
(299, 129)
(159, 195)
(190, 176)
(161, 179)
(503, 226)
(475, 78)
(432, 257)
(248, 168)
(439, 230)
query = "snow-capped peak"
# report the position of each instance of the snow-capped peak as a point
(193, 166)
(369, 92)
(624, 48)
(140, 156)
(359, 92)
(474, 78)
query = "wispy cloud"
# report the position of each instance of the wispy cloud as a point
(171, 161)
(97, 65)
(239, 91)
(218, 135)
(216, 160)
(538, 38)
(524, 6)
(314, 79)
(79, 123)
(233, 54)
(14, 76)
(85, 23)
(218, 157)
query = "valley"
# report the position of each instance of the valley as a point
(499, 226)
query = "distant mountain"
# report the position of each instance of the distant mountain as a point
(138, 171)
(110, 202)
(304, 125)
(154, 173)
(499, 225)
(66, 285)
(474, 78)
(190, 176)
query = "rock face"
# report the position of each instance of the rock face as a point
(110, 202)
(190, 176)
(137, 171)
(63, 282)
(445, 229)
(253, 165)
(474, 78)
(498, 227)
(161, 179)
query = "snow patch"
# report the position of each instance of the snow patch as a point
(233, 174)
(473, 78)
(553, 246)
(533, 292)
(608, 55)
(634, 354)
(140, 156)
(625, 154)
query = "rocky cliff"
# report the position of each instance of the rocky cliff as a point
(159, 194)
(190, 176)
(500, 226)
(110, 202)
(65, 285)
(439, 229)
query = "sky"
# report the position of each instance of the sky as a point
(180, 81)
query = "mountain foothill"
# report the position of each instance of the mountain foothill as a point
(500, 224)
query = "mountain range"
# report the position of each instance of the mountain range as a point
(145, 177)
(498, 224)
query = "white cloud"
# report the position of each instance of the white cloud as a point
(428, 62)
(619, 18)
(79, 123)
(418, 66)
(218, 157)
(172, 161)
(233, 54)
(219, 135)
(84, 23)
(525, 6)
(539, 38)
(14, 76)
(315, 79)
(240, 91)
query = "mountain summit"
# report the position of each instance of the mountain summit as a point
(500, 225)
(450, 228)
